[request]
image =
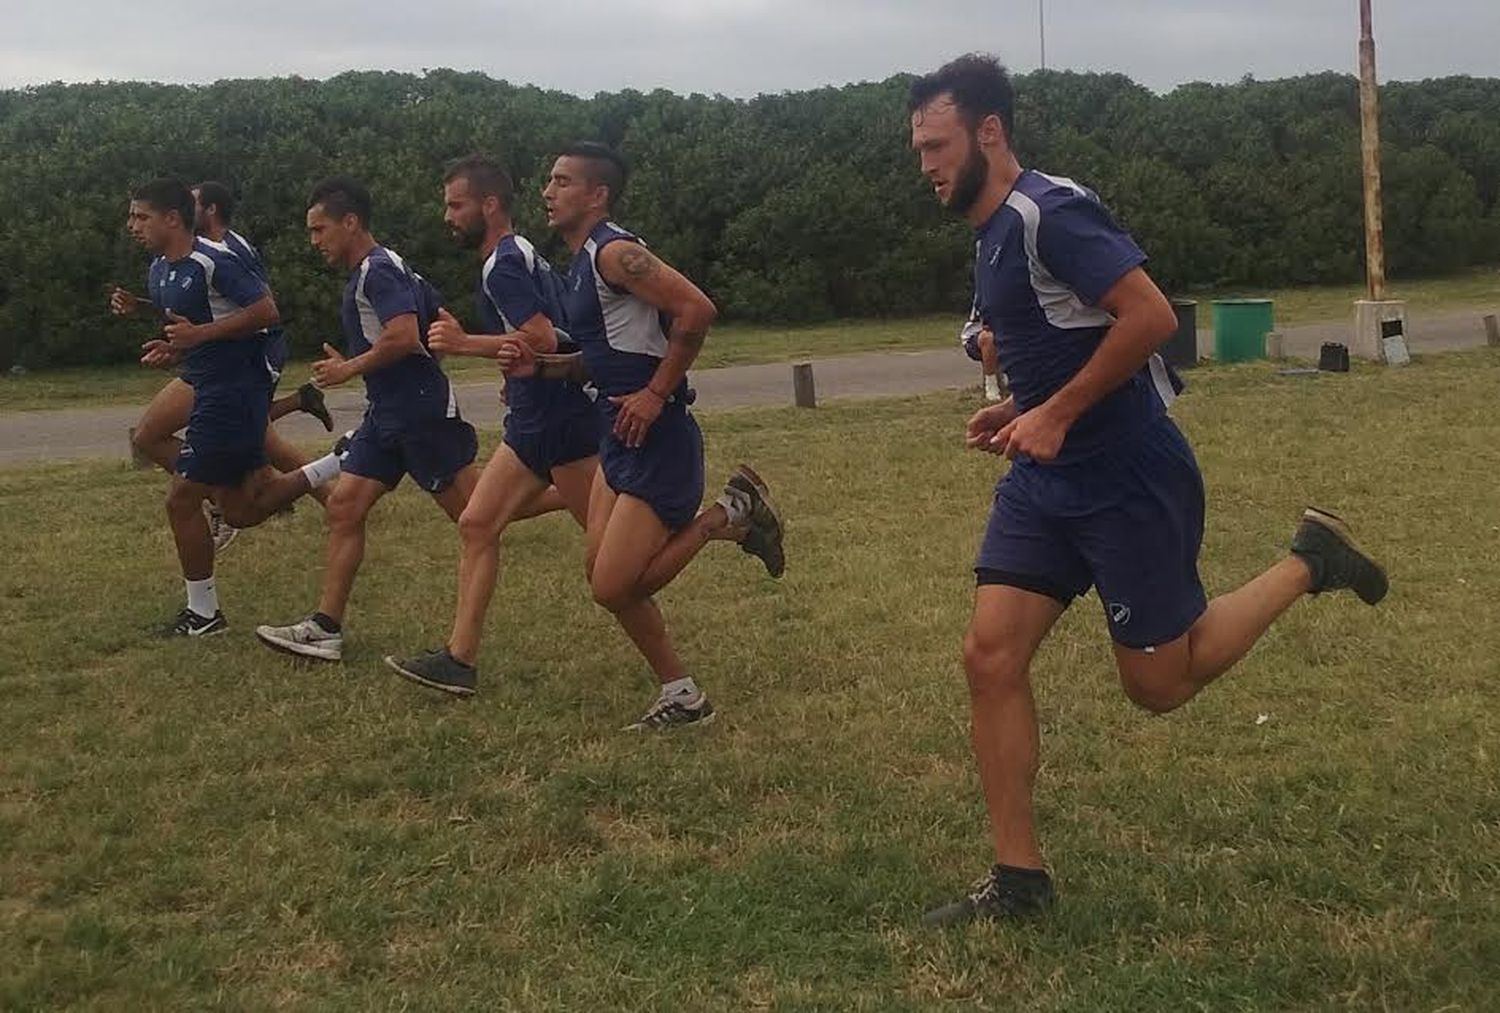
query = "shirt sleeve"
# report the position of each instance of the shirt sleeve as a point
(389, 291)
(512, 288)
(236, 282)
(1083, 247)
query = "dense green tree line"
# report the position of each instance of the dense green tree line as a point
(790, 207)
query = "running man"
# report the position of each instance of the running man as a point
(217, 312)
(154, 436)
(1104, 490)
(412, 426)
(639, 325)
(551, 445)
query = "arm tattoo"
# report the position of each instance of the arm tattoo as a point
(637, 262)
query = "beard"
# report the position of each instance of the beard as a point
(470, 237)
(970, 181)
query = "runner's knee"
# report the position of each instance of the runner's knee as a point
(995, 661)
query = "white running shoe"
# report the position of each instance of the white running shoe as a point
(306, 639)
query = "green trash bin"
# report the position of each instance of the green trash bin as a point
(1240, 329)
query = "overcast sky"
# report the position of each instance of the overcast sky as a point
(735, 47)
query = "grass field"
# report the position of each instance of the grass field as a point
(209, 826)
(742, 344)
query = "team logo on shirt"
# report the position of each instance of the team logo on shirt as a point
(995, 256)
(187, 282)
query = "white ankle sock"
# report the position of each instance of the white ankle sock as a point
(736, 505)
(324, 469)
(202, 597)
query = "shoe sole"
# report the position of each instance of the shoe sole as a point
(1335, 525)
(411, 676)
(221, 544)
(764, 491)
(298, 650)
(638, 727)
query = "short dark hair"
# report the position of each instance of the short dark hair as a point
(216, 195)
(980, 86)
(485, 177)
(166, 194)
(607, 166)
(340, 196)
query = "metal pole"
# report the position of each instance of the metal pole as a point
(1041, 28)
(1369, 113)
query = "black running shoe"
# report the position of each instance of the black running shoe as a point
(1325, 543)
(310, 399)
(437, 670)
(1007, 893)
(674, 713)
(341, 445)
(764, 539)
(190, 624)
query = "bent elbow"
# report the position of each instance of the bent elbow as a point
(707, 312)
(1165, 323)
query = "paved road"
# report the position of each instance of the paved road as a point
(76, 433)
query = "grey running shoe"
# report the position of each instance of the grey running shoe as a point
(674, 713)
(1007, 893)
(305, 639)
(764, 539)
(1325, 543)
(437, 670)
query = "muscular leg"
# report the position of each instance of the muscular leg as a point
(989, 358)
(1007, 627)
(545, 502)
(262, 494)
(284, 406)
(286, 458)
(195, 549)
(456, 497)
(504, 487)
(165, 415)
(625, 535)
(1168, 676)
(348, 507)
(710, 525)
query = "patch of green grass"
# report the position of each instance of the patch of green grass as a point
(209, 825)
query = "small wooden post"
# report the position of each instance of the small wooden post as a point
(804, 395)
(1275, 345)
(1492, 330)
(137, 459)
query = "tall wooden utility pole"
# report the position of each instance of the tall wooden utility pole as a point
(1369, 115)
(1041, 28)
